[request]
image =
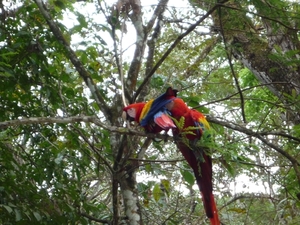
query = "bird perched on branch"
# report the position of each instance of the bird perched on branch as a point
(188, 126)
(152, 122)
(191, 126)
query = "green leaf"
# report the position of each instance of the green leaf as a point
(8, 209)
(37, 216)
(188, 177)
(81, 20)
(238, 210)
(157, 192)
(60, 4)
(18, 215)
(158, 146)
(167, 185)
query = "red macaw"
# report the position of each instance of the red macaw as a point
(196, 157)
(152, 122)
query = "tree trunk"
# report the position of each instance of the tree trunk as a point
(125, 176)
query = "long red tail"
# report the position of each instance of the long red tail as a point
(202, 167)
(214, 219)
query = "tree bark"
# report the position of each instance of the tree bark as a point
(125, 173)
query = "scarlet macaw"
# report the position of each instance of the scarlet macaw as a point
(195, 124)
(142, 113)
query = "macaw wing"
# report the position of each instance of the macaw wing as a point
(155, 105)
(163, 120)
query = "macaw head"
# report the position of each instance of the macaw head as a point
(133, 112)
(170, 93)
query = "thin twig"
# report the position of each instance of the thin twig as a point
(96, 219)
(231, 68)
(260, 15)
(237, 197)
(245, 89)
(250, 132)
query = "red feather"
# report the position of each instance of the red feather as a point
(199, 161)
(164, 121)
(160, 122)
(133, 111)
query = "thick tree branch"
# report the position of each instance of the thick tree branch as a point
(122, 130)
(74, 59)
(141, 37)
(142, 33)
(159, 10)
(157, 16)
(76, 119)
(171, 48)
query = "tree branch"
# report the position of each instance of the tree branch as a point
(157, 161)
(237, 197)
(171, 48)
(141, 37)
(95, 219)
(157, 16)
(76, 119)
(93, 148)
(237, 93)
(231, 68)
(259, 136)
(74, 59)
(259, 15)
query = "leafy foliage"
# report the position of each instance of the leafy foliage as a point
(77, 172)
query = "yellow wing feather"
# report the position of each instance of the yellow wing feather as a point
(204, 122)
(146, 109)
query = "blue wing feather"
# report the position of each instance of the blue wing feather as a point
(157, 105)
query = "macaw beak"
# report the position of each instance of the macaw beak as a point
(124, 115)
